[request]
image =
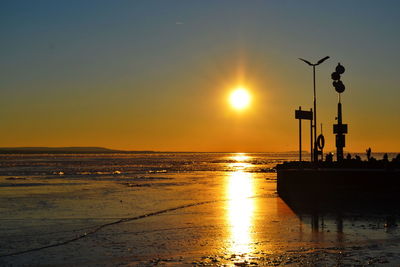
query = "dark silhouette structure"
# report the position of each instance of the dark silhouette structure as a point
(314, 151)
(348, 179)
(339, 129)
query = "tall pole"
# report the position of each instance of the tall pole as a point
(300, 137)
(315, 119)
(311, 139)
(314, 151)
(340, 137)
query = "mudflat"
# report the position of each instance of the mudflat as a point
(174, 209)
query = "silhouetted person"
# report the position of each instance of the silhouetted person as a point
(357, 157)
(348, 157)
(385, 158)
(368, 153)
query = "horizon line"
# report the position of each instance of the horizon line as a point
(32, 148)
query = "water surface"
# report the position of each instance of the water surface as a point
(174, 209)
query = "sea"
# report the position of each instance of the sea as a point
(175, 209)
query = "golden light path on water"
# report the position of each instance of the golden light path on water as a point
(240, 207)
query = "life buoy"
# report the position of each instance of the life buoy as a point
(321, 141)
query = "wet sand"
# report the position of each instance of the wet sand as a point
(232, 218)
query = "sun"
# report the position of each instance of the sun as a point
(240, 98)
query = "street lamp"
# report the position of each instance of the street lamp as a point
(315, 106)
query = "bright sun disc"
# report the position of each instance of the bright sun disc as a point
(240, 98)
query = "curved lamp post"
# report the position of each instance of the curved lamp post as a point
(315, 152)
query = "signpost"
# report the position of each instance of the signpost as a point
(304, 115)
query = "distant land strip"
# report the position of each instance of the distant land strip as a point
(65, 150)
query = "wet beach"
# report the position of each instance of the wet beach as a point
(176, 209)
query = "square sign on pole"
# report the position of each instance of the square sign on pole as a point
(303, 114)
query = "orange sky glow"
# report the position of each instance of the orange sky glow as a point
(145, 82)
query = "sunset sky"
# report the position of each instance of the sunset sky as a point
(157, 75)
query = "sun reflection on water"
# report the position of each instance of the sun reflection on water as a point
(240, 157)
(240, 207)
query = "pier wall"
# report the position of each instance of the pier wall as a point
(338, 183)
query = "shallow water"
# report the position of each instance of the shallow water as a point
(174, 209)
